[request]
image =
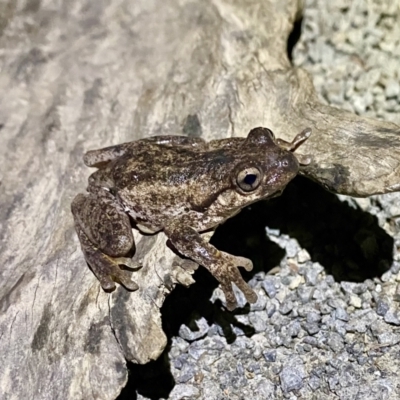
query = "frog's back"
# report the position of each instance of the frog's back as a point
(167, 181)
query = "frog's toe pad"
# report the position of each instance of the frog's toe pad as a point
(106, 283)
(127, 283)
(128, 262)
(244, 262)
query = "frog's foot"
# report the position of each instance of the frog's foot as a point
(223, 266)
(227, 272)
(108, 271)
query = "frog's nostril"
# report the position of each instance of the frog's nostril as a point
(285, 163)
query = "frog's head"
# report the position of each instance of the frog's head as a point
(265, 166)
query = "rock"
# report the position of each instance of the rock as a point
(184, 392)
(335, 342)
(311, 274)
(270, 355)
(392, 89)
(340, 313)
(355, 301)
(391, 317)
(303, 256)
(199, 331)
(292, 376)
(382, 307)
(269, 286)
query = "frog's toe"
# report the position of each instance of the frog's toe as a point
(230, 298)
(230, 274)
(106, 283)
(248, 292)
(126, 282)
(128, 262)
(244, 262)
(108, 271)
(238, 261)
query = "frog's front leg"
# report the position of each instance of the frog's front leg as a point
(222, 265)
(105, 233)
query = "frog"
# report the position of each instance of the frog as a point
(183, 186)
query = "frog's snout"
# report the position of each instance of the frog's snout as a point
(289, 163)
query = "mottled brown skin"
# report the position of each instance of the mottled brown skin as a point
(182, 186)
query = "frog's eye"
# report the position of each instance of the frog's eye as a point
(249, 179)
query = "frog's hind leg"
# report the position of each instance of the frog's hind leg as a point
(106, 238)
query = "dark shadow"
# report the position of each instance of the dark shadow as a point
(294, 38)
(347, 241)
(152, 380)
(344, 239)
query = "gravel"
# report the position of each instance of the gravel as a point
(311, 334)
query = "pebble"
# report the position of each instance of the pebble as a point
(269, 286)
(311, 329)
(391, 317)
(296, 281)
(292, 248)
(392, 89)
(388, 338)
(202, 329)
(340, 313)
(311, 274)
(182, 391)
(261, 302)
(382, 307)
(270, 355)
(290, 380)
(294, 329)
(305, 293)
(355, 301)
(313, 317)
(303, 256)
(286, 307)
(259, 321)
(292, 376)
(265, 389)
(335, 342)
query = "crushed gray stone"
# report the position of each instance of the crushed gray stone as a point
(269, 286)
(391, 317)
(382, 306)
(202, 329)
(311, 274)
(181, 392)
(340, 313)
(270, 355)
